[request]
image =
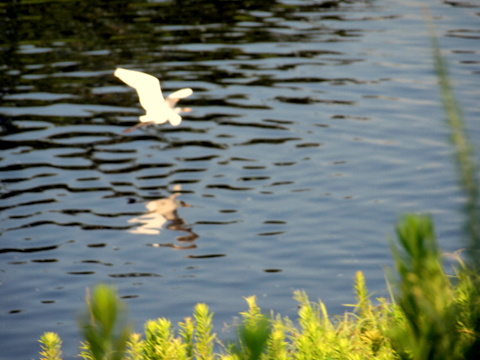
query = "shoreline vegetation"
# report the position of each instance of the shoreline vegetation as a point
(431, 315)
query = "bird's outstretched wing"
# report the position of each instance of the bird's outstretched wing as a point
(173, 98)
(147, 86)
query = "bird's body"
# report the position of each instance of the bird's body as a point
(158, 109)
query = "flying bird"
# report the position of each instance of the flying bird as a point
(158, 110)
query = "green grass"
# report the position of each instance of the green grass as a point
(104, 325)
(463, 149)
(51, 346)
(431, 315)
(429, 304)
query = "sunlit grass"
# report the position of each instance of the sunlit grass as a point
(433, 316)
(427, 327)
(463, 148)
(104, 325)
(51, 346)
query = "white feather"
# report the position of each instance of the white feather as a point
(158, 110)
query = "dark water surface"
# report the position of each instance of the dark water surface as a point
(314, 125)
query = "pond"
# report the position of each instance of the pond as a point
(313, 126)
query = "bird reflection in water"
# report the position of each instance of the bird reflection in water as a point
(163, 213)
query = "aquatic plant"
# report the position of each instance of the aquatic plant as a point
(51, 346)
(427, 326)
(463, 148)
(104, 325)
(315, 336)
(434, 316)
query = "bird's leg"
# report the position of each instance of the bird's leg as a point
(130, 129)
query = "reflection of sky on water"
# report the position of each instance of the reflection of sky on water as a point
(64, 110)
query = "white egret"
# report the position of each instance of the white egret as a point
(158, 110)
